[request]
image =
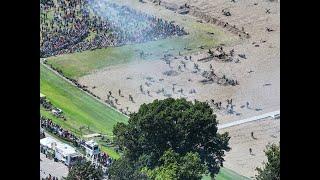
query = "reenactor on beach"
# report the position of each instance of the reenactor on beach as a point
(232, 52)
(269, 29)
(119, 91)
(210, 52)
(231, 109)
(196, 66)
(141, 89)
(130, 98)
(179, 68)
(268, 11)
(190, 58)
(252, 135)
(250, 151)
(247, 104)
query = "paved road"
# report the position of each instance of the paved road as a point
(254, 118)
(48, 166)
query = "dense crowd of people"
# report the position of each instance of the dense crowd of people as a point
(78, 25)
(53, 128)
(49, 177)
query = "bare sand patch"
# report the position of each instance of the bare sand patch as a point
(238, 158)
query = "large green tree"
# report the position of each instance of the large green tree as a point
(271, 169)
(176, 167)
(124, 169)
(176, 124)
(84, 170)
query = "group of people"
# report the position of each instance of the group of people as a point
(53, 128)
(48, 106)
(49, 177)
(211, 77)
(104, 159)
(78, 25)
(45, 103)
(133, 26)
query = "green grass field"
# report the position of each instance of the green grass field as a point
(226, 174)
(79, 108)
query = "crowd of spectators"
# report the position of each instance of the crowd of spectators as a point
(49, 177)
(103, 158)
(78, 25)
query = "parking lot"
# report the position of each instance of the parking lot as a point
(48, 166)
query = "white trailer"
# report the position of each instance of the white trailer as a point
(62, 152)
(66, 154)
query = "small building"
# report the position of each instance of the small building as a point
(92, 148)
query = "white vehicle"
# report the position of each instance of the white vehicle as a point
(56, 111)
(66, 154)
(62, 152)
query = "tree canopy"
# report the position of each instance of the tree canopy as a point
(84, 170)
(177, 167)
(176, 124)
(271, 169)
(124, 169)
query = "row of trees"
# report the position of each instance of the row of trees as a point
(174, 139)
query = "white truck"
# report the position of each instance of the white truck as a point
(62, 152)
